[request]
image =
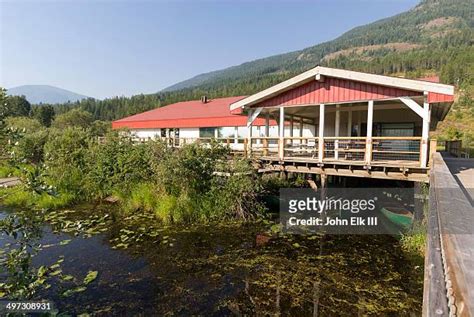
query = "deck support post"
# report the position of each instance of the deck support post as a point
(368, 142)
(291, 125)
(425, 132)
(253, 114)
(359, 123)
(432, 151)
(301, 127)
(337, 126)
(281, 140)
(349, 123)
(321, 134)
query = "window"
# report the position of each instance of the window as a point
(207, 132)
(397, 129)
(226, 132)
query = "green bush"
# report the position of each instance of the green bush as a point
(117, 164)
(65, 159)
(29, 148)
(23, 124)
(176, 185)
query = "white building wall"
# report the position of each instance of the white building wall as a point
(258, 131)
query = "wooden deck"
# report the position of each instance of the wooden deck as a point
(398, 158)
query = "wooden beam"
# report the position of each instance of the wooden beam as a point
(359, 123)
(425, 133)
(291, 125)
(301, 127)
(321, 134)
(281, 140)
(368, 144)
(413, 105)
(349, 123)
(253, 115)
(344, 171)
(337, 127)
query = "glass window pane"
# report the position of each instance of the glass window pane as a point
(206, 132)
(226, 132)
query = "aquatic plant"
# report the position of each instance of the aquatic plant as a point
(22, 279)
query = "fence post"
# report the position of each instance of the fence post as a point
(433, 146)
(246, 141)
(265, 147)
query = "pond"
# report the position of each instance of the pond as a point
(137, 267)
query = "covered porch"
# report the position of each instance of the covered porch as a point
(355, 120)
(388, 133)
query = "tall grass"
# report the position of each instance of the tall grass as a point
(24, 198)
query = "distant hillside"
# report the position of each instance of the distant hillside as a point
(434, 38)
(45, 94)
(429, 28)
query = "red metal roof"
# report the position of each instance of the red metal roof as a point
(189, 114)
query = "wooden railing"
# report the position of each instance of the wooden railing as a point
(396, 149)
(458, 149)
(377, 150)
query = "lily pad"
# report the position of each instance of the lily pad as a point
(90, 277)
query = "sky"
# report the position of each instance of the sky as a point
(106, 48)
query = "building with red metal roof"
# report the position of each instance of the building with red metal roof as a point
(323, 106)
(193, 119)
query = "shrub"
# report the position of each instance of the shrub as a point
(29, 148)
(65, 159)
(23, 124)
(73, 118)
(189, 169)
(118, 164)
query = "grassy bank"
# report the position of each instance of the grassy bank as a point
(60, 168)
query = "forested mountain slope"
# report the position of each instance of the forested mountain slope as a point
(375, 47)
(435, 37)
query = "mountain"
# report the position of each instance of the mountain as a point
(434, 38)
(37, 94)
(427, 32)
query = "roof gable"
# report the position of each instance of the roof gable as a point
(322, 73)
(334, 90)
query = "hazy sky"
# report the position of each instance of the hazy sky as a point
(107, 48)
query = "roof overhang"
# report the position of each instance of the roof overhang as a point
(319, 72)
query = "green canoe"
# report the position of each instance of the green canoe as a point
(399, 216)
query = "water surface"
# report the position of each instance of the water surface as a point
(222, 269)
